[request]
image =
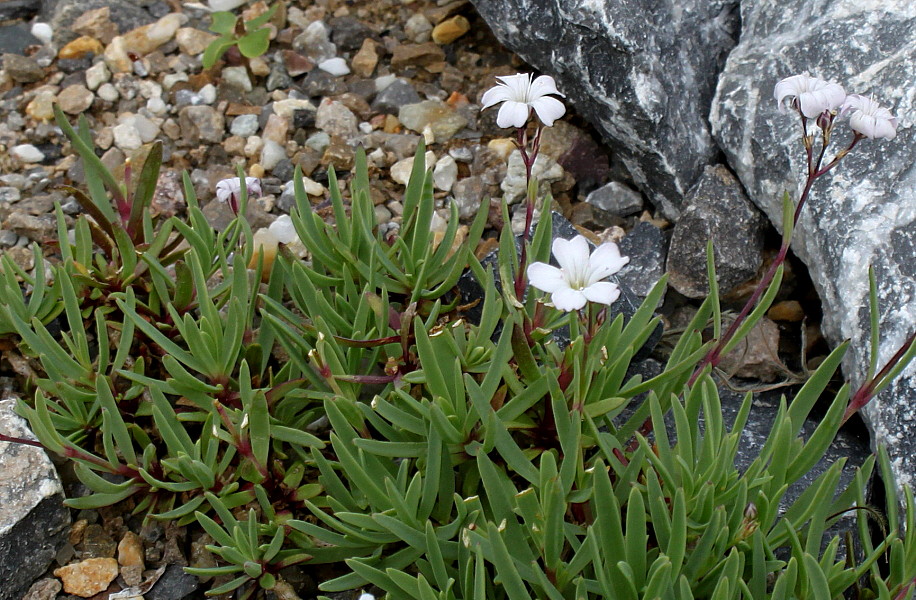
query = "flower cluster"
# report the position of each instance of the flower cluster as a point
(813, 98)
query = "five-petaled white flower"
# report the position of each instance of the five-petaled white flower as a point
(578, 279)
(230, 190)
(869, 118)
(809, 95)
(520, 95)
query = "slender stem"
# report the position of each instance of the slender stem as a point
(17, 440)
(866, 391)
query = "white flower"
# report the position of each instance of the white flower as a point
(228, 189)
(810, 95)
(282, 228)
(578, 279)
(521, 95)
(869, 118)
(216, 5)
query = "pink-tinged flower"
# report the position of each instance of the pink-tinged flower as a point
(809, 95)
(869, 118)
(578, 280)
(520, 95)
(230, 191)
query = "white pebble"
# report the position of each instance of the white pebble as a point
(108, 92)
(283, 229)
(96, 75)
(43, 32)
(271, 154)
(384, 81)
(27, 153)
(156, 106)
(445, 174)
(365, 127)
(400, 171)
(207, 94)
(335, 66)
(126, 136)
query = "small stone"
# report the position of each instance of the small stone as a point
(41, 107)
(237, 77)
(335, 66)
(22, 69)
(445, 174)
(157, 106)
(289, 108)
(468, 194)
(253, 145)
(416, 55)
(338, 154)
(645, 245)
(295, 63)
(418, 28)
(400, 171)
(126, 136)
(130, 550)
(43, 32)
(278, 79)
(75, 99)
(27, 153)
(443, 120)
(315, 42)
(503, 147)
(43, 589)
(334, 118)
(515, 184)
(616, 198)
(313, 188)
(382, 214)
(201, 124)
(96, 75)
(271, 154)
(318, 141)
(147, 38)
(193, 41)
(365, 61)
(174, 584)
(88, 577)
(97, 24)
(450, 30)
(207, 94)
(259, 67)
(116, 56)
(244, 125)
(108, 92)
(96, 543)
(349, 33)
(393, 96)
(81, 47)
(320, 83)
(757, 355)
(9, 194)
(276, 129)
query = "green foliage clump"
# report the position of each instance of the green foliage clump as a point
(252, 38)
(343, 410)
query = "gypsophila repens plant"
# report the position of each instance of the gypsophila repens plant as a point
(316, 393)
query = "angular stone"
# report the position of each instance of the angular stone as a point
(80, 47)
(397, 94)
(22, 69)
(336, 119)
(515, 185)
(27, 153)
(125, 15)
(616, 198)
(443, 120)
(365, 60)
(88, 577)
(193, 41)
(861, 214)
(96, 24)
(201, 124)
(144, 40)
(645, 245)
(75, 99)
(33, 519)
(718, 210)
(416, 55)
(641, 71)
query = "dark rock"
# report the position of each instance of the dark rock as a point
(126, 14)
(174, 584)
(75, 65)
(283, 170)
(862, 213)
(319, 83)
(33, 519)
(303, 118)
(18, 9)
(392, 98)
(278, 78)
(718, 210)
(22, 68)
(645, 245)
(348, 33)
(616, 198)
(16, 38)
(642, 72)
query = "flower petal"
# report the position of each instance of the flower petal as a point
(542, 86)
(572, 255)
(546, 278)
(604, 261)
(603, 292)
(283, 229)
(495, 95)
(512, 114)
(568, 299)
(548, 109)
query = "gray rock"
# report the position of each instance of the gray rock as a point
(716, 209)
(645, 245)
(201, 124)
(616, 198)
(126, 14)
(642, 72)
(244, 125)
(22, 69)
(443, 120)
(278, 78)
(319, 83)
(33, 519)
(468, 193)
(18, 9)
(862, 214)
(348, 33)
(174, 584)
(334, 118)
(392, 98)
(15, 38)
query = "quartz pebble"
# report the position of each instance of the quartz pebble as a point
(400, 171)
(96, 75)
(445, 174)
(27, 153)
(335, 66)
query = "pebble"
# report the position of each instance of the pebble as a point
(96, 23)
(147, 38)
(108, 92)
(788, 311)
(396, 94)
(9, 194)
(318, 141)
(443, 120)
(315, 42)
(450, 30)
(201, 124)
(468, 194)
(289, 107)
(75, 99)
(271, 154)
(43, 32)
(193, 41)
(96, 75)
(157, 106)
(416, 55)
(88, 577)
(237, 77)
(27, 153)
(295, 63)
(445, 174)
(116, 56)
(418, 29)
(335, 66)
(503, 147)
(515, 184)
(400, 171)
(616, 198)
(244, 125)
(22, 69)
(126, 136)
(334, 118)
(365, 61)
(253, 145)
(276, 129)
(41, 107)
